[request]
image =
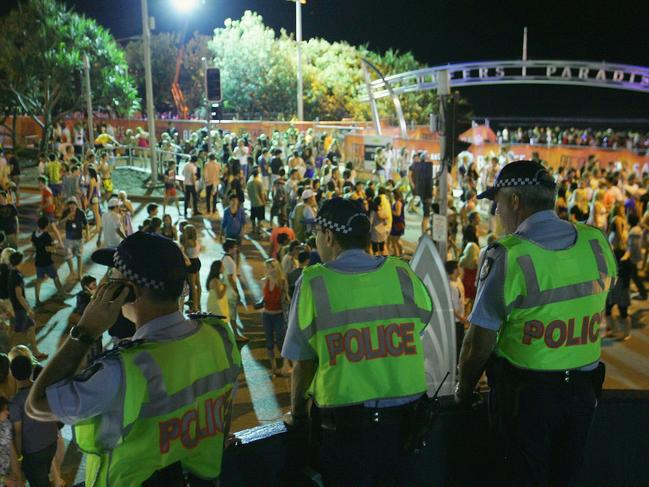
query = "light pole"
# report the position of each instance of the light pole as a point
(298, 41)
(86, 76)
(146, 41)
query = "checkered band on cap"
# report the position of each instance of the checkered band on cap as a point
(509, 182)
(338, 227)
(131, 275)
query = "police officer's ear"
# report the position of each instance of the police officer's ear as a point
(329, 237)
(515, 201)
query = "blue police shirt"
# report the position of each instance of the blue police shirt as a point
(544, 228)
(297, 348)
(98, 389)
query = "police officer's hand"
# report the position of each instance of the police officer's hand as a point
(294, 422)
(467, 400)
(103, 310)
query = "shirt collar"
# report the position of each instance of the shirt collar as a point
(154, 326)
(351, 254)
(534, 219)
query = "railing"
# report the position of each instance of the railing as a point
(139, 157)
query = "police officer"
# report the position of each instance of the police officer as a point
(538, 314)
(354, 331)
(157, 408)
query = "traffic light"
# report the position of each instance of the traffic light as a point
(213, 84)
(461, 113)
(215, 112)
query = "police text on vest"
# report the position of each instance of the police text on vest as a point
(357, 344)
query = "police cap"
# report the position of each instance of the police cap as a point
(343, 216)
(147, 259)
(518, 174)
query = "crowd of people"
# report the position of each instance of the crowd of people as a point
(275, 182)
(612, 198)
(272, 187)
(635, 140)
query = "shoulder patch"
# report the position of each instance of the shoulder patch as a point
(486, 268)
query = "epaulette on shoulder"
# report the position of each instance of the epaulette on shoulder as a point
(210, 318)
(123, 345)
(203, 316)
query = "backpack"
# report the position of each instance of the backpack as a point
(279, 196)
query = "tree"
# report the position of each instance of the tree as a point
(258, 74)
(192, 80)
(42, 45)
(164, 51)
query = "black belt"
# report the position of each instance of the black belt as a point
(359, 415)
(571, 376)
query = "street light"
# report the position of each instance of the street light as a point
(148, 78)
(298, 40)
(184, 5)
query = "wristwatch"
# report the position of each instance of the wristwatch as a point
(78, 335)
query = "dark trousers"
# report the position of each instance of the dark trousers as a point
(173, 476)
(360, 452)
(190, 193)
(36, 466)
(210, 199)
(541, 425)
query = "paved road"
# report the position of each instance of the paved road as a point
(261, 398)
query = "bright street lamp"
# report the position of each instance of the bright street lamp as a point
(184, 6)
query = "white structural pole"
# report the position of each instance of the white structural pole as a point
(150, 113)
(86, 75)
(446, 132)
(524, 43)
(298, 39)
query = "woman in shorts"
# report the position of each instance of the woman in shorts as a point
(171, 195)
(192, 247)
(94, 198)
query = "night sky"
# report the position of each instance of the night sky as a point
(447, 31)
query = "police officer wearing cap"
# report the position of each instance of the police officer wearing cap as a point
(154, 411)
(535, 326)
(354, 333)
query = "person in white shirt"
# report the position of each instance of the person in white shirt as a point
(190, 172)
(231, 279)
(458, 301)
(112, 225)
(241, 152)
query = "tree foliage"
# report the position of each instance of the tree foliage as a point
(258, 74)
(42, 44)
(164, 50)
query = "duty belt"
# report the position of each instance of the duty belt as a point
(359, 416)
(572, 376)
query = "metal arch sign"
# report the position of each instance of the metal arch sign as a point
(552, 72)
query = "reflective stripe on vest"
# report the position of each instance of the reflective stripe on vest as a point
(555, 301)
(536, 297)
(366, 331)
(161, 403)
(326, 318)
